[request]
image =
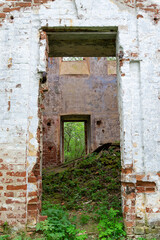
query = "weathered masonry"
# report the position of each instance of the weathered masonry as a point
(83, 90)
(131, 32)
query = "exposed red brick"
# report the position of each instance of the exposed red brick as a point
(7, 180)
(3, 167)
(39, 177)
(23, 4)
(42, 106)
(32, 179)
(140, 189)
(3, 209)
(9, 102)
(34, 200)
(129, 224)
(148, 190)
(2, 15)
(17, 174)
(40, 1)
(139, 16)
(32, 215)
(43, 35)
(42, 218)
(18, 187)
(149, 210)
(145, 184)
(153, 5)
(21, 180)
(158, 174)
(11, 9)
(134, 54)
(10, 201)
(129, 184)
(32, 206)
(140, 177)
(127, 170)
(32, 194)
(139, 5)
(125, 209)
(131, 196)
(9, 194)
(151, 10)
(12, 215)
(22, 194)
(144, 189)
(37, 172)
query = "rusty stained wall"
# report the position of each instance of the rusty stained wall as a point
(94, 95)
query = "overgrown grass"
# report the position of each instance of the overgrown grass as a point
(90, 191)
(95, 179)
(82, 201)
(58, 226)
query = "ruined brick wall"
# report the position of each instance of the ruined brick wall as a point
(21, 62)
(94, 94)
(151, 7)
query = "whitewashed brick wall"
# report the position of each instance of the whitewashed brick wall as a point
(21, 60)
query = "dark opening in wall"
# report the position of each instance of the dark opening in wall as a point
(44, 78)
(99, 122)
(49, 123)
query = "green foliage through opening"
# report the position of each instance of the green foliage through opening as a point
(74, 140)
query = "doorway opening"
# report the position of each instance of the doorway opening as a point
(83, 92)
(74, 140)
(75, 136)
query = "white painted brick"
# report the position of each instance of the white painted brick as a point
(139, 92)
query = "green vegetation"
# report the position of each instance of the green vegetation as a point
(82, 200)
(58, 226)
(89, 190)
(110, 226)
(74, 140)
(89, 183)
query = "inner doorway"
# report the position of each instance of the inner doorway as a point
(75, 136)
(74, 140)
